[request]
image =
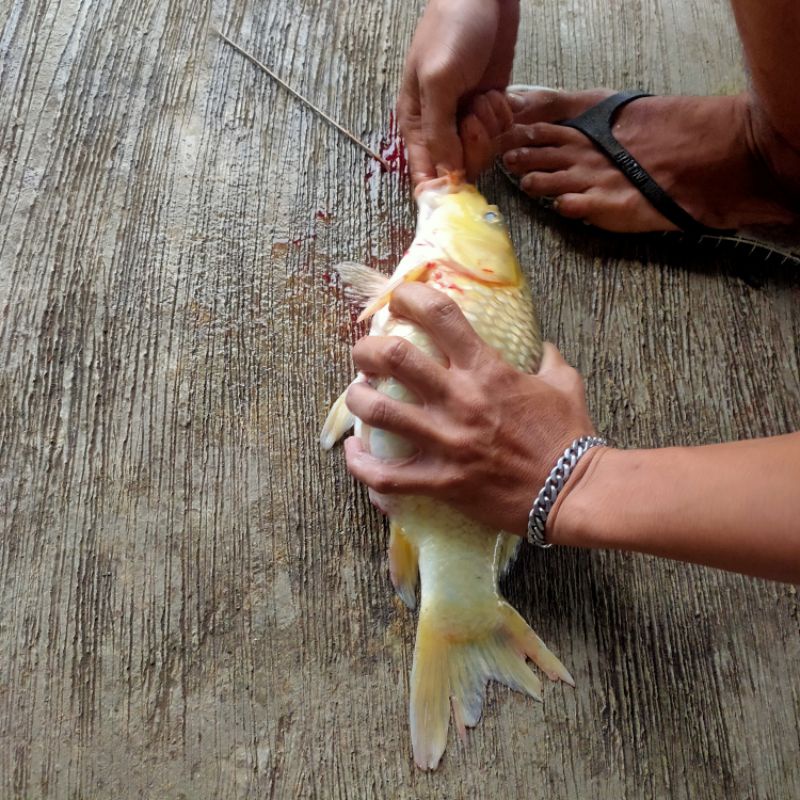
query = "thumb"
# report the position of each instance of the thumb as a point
(551, 359)
(440, 127)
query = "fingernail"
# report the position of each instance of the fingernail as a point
(511, 158)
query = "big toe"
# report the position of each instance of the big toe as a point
(540, 104)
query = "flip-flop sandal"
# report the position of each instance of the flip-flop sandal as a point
(596, 123)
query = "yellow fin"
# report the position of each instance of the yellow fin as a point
(382, 299)
(533, 647)
(430, 696)
(403, 565)
(362, 283)
(449, 667)
(337, 423)
(505, 552)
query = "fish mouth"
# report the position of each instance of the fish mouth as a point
(448, 183)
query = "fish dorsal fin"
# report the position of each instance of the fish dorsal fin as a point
(371, 288)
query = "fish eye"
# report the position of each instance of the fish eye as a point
(492, 216)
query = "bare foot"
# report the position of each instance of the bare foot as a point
(717, 157)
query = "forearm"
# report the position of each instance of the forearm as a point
(735, 506)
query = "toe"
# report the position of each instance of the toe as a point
(575, 205)
(548, 184)
(536, 159)
(549, 105)
(540, 134)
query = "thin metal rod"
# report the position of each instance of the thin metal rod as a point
(305, 101)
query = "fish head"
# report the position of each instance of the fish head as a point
(469, 232)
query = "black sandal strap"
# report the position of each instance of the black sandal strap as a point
(596, 123)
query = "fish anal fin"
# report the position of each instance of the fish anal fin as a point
(337, 423)
(403, 565)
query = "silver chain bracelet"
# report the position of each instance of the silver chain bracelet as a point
(543, 504)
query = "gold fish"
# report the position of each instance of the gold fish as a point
(467, 633)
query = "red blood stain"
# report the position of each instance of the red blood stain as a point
(300, 239)
(392, 148)
(323, 215)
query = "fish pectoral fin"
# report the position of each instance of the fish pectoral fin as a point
(337, 423)
(362, 283)
(377, 303)
(452, 666)
(403, 565)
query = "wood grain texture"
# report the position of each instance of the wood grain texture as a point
(195, 599)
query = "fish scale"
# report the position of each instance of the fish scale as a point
(467, 632)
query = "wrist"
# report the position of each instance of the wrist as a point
(581, 514)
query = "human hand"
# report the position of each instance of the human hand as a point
(486, 434)
(460, 49)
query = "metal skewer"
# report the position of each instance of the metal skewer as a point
(306, 102)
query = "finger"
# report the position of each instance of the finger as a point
(420, 162)
(502, 112)
(551, 358)
(380, 411)
(438, 104)
(484, 111)
(391, 355)
(402, 476)
(477, 146)
(408, 115)
(555, 371)
(441, 318)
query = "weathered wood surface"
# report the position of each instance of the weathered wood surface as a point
(194, 599)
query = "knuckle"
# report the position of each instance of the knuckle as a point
(382, 481)
(396, 354)
(435, 74)
(442, 310)
(379, 414)
(573, 380)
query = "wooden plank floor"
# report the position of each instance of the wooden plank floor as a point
(195, 600)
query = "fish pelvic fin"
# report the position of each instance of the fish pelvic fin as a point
(451, 669)
(337, 423)
(506, 552)
(403, 565)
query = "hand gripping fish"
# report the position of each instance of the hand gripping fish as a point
(467, 632)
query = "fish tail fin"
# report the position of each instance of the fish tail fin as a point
(451, 668)
(337, 423)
